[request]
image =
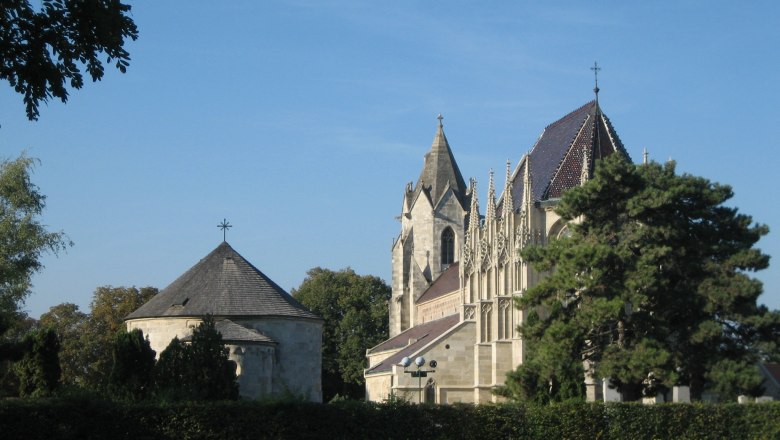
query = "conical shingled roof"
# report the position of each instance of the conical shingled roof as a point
(556, 160)
(440, 171)
(223, 284)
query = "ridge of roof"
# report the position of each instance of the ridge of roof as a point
(223, 284)
(588, 105)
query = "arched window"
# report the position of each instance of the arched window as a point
(430, 391)
(447, 246)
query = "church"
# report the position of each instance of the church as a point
(456, 271)
(275, 341)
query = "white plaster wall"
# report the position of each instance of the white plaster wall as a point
(254, 367)
(161, 331)
(298, 364)
(295, 364)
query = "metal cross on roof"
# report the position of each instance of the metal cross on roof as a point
(224, 226)
(595, 70)
(440, 117)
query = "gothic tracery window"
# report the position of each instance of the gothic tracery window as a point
(447, 246)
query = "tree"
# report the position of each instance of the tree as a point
(199, 370)
(39, 368)
(652, 287)
(212, 375)
(12, 349)
(131, 373)
(110, 305)
(71, 326)
(44, 51)
(548, 373)
(170, 371)
(24, 239)
(354, 308)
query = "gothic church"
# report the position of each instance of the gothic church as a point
(456, 271)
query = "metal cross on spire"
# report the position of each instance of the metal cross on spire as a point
(595, 70)
(224, 226)
(440, 117)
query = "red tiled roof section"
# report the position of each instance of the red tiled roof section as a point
(556, 158)
(448, 282)
(420, 336)
(569, 173)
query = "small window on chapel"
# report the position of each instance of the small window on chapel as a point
(447, 246)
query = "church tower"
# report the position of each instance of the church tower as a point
(432, 219)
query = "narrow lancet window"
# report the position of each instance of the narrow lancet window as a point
(447, 246)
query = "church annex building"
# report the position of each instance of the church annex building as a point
(455, 272)
(275, 341)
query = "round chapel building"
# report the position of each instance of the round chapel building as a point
(274, 340)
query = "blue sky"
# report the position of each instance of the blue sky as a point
(301, 122)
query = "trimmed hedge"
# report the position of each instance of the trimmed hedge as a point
(94, 419)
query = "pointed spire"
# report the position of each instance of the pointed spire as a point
(440, 140)
(440, 170)
(585, 175)
(490, 215)
(474, 210)
(509, 206)
(528, 198)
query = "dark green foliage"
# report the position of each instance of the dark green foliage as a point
(108, 309)
(211, 375)
(43, 51)
(131, 375)
(654, 279)
(549, 374)
(171, 370)
(90, 419)
(24, 240)
(70, 325)
(199, 370)
(39, 368)
(354, 308)
(12, 348)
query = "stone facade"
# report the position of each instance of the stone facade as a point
(480, 342)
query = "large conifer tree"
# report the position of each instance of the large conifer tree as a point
(651, 288)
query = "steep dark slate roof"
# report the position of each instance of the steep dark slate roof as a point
(223, 284)
(232, 332)
(440, 171)
(448, 282)
(556, 159)
(421, 335)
